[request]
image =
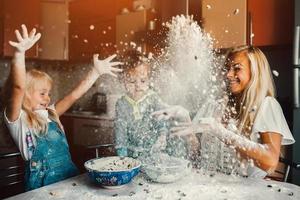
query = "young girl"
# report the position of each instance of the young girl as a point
(260, 127)
(137, 133)
(33, 124)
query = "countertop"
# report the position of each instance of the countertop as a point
(193, 186)
(89, 115)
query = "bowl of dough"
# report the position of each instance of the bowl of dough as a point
(163, 168)
(112, 172)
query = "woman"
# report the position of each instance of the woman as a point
(260, 127)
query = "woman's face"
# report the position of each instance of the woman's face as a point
(238, 72)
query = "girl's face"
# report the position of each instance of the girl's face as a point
(238, 72)
(40, 96)
(137, 81)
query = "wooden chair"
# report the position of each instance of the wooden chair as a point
(11, 174)
(283, 170)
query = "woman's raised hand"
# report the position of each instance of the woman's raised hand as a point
(25, 41)
(106, 66)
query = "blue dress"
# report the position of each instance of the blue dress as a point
(51, 160)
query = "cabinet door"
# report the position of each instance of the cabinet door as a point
(92, 132)
(226, 22)
(16, 13)
(272, 21)
(92, 27)
(54, 29)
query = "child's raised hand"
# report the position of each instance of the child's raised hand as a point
(185, 129)
(106, 66)
(25, 41)
(173, 112)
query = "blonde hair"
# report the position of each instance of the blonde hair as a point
(261, 85)
(37, 123)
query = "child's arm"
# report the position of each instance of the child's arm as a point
(17, 76)
(100, 67)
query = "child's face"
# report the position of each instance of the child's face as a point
(239, 72)
(137, 81)
(40, 96)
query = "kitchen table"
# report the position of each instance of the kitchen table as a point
(194, 185)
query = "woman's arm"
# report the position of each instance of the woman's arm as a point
(100, 67)
(17, 76)
(265, 155)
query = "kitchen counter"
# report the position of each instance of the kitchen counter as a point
(193, 186)
(88, 115)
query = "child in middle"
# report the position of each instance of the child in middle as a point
(137, 132)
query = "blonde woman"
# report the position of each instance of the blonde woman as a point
(255, 126)
(33, 124)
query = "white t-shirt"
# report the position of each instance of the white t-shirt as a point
(19, 129)
(269, 118)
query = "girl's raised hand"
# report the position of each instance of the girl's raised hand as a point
(25, 41)
(106, 66)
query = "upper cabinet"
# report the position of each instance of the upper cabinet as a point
(49, 17)
(255, 22)
(92, 27)
(15, 13)
(271, 22)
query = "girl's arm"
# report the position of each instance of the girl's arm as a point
(100, 67)
(17, 76)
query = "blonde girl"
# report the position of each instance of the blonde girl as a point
(34, 124)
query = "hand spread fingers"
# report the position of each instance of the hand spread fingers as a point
(14, 44)
(110, 57)
(116, 63)
(18, 35)
(24, 31)
(32, 33)
(36, 37)
(113, 69)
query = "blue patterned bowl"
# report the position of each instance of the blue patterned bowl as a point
(112, 171)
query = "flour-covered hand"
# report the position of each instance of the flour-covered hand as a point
(106, 66)
(177, 113)
(25, 41)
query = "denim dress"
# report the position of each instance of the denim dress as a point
(51, 160)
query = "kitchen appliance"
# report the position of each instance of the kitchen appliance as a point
(296, 89)
(99, 102)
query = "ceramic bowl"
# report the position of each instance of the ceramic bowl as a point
(112, 171)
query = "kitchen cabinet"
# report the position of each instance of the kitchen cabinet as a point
(92, 27)
(54, 29)
(241, 22)
(15, 13)
(49, 17)
(83, 131)
(271, 22)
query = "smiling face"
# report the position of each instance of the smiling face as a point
(137, 81)
(238, 72)
(40, 96)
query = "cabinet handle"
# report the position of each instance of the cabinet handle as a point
(296, 87)
(37, 50)
(250, 28)
(296, 62)
(296, 46)
(90, 126)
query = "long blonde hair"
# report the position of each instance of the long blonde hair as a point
(37, 123)
(260, 86)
